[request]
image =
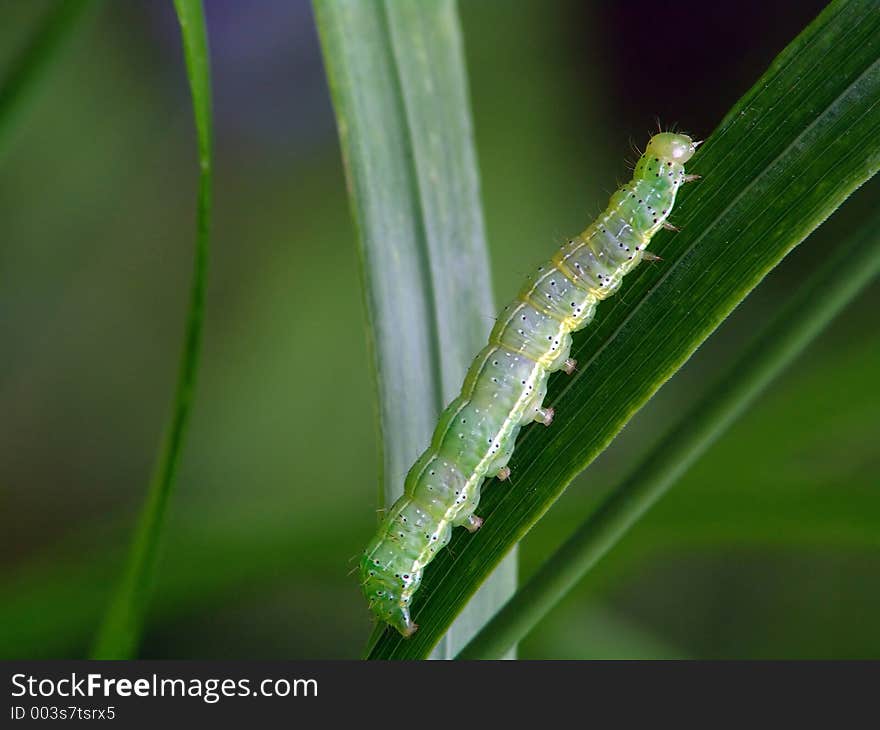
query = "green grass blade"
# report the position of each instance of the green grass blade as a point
(43, 48)
(784, 158)
(397, 76)
(120, 632)
(824, 296)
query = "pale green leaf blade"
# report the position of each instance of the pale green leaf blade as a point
(397, 77)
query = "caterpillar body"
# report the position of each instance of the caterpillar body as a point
(506, 384)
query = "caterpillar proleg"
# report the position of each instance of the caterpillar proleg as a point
(506, 384)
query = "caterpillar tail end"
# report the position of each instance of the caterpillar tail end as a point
(396, 616)
(401, 621)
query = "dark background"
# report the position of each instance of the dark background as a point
(768, 548)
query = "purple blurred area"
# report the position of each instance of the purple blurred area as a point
(269, 86)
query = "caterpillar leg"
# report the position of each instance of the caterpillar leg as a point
(690, 178)
(544, 415)
(473, 523)
(669, 227)
(648, 256)
(503, 473)
(569, 366)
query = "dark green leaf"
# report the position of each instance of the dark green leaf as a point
(785, 157)
(842, 277)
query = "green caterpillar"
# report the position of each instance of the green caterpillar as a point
(506, 384)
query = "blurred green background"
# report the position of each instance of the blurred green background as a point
(770, 547)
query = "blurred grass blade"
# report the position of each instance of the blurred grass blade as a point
(824, 296)
(120, 633)
(784, 158)
(43, 48)
(397, 76)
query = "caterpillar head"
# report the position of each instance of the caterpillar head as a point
(670, 146)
